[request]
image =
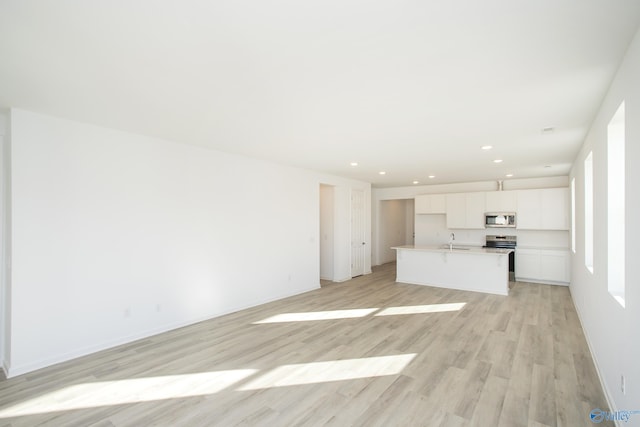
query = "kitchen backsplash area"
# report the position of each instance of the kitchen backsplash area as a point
(432, 230)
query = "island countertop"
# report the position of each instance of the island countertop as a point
(456, 249)
(467, 268)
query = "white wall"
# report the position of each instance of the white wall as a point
(5, 239)
(611, 330)
(118, 236)
(3, 298)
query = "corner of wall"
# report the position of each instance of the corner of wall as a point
(5, 240)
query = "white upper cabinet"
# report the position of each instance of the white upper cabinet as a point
(539, 209)
(475, 210)
(465, 210)
(457, 210)
(500, 201)
(555, 208)
(422, 205)
(438, 204)
(430, 204)
(528, 212)
(543, 209)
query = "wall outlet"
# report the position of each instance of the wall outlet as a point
(127, 312)
(622, 385)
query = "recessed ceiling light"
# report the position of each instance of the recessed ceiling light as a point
(509, 175)
(497, 161)
(548, 130)
(354, 163)
(382, 173)
(487, 147)
(547, 166)
(431, 176)
(416, 182)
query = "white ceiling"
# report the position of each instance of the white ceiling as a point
(406, 86)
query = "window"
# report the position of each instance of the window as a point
(573, 215)
(588, 212)
(616, 205)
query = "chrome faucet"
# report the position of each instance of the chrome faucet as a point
(452, 237)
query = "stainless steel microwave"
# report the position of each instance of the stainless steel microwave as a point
(500, 220)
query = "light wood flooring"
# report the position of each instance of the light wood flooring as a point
(379, 353)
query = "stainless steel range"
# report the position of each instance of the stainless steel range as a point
(504, 242)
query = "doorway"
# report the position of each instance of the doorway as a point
(397, 227)
(327, 230)
(358, 233)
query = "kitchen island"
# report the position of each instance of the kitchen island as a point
(464, 268)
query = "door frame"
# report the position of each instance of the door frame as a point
(358, 233)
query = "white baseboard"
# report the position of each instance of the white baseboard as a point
(542, 282)
(603, 384)
(13, 371)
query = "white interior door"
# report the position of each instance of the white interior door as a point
(357, 233)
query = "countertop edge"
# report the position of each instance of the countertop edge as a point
(470, 251)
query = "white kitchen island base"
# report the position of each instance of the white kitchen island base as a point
(469, 269)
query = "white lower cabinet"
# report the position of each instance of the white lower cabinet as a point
(527, 264)
(543, 266)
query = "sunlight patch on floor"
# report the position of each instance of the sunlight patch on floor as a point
(317, 315)
(118, 392)
(135, 390)
(333, 370)
(421, 309)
